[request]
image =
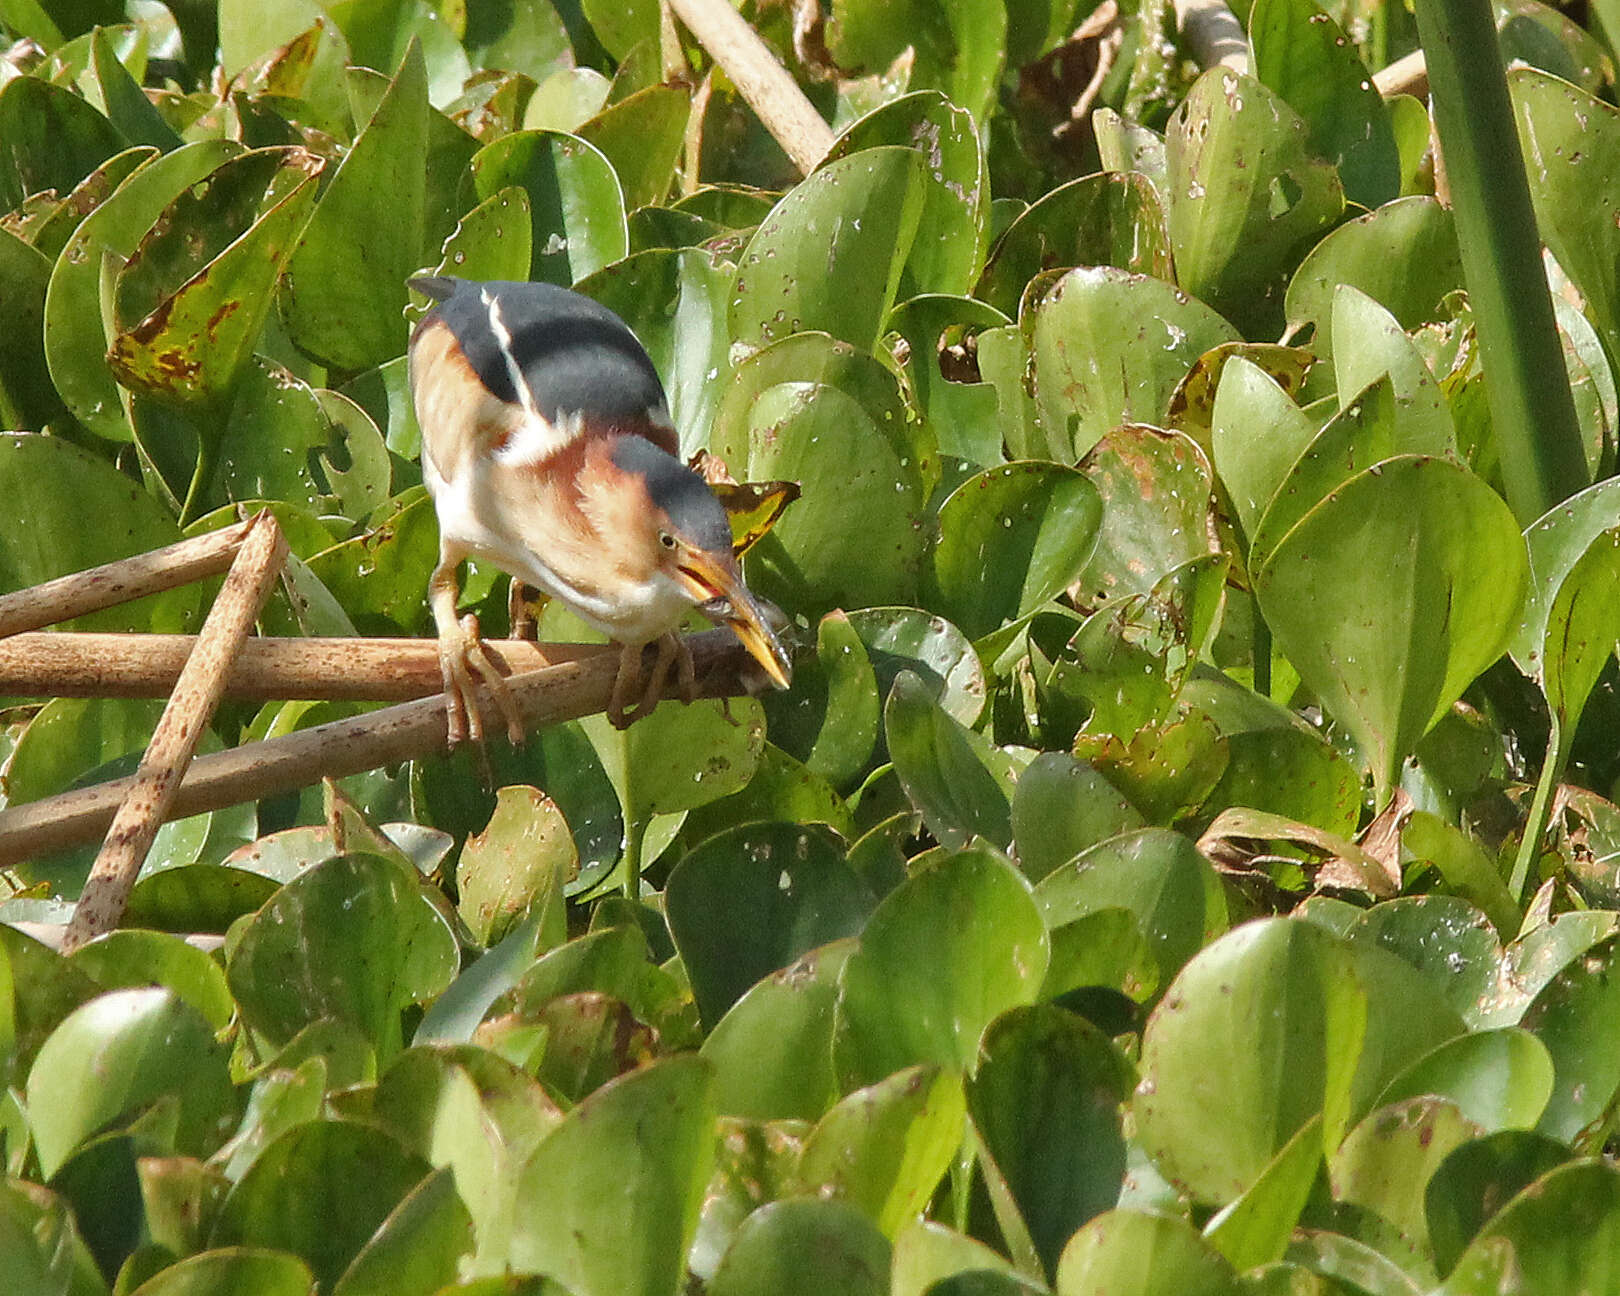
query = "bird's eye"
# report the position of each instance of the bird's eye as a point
(665, 539)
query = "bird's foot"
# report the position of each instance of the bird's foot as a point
(672, 651)
(465, 663)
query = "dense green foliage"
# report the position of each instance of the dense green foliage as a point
(1134, 893)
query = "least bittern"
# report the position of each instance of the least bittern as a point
(548, 449)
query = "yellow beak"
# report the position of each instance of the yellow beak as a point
(717, 587)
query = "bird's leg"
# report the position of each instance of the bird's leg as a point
(670, 651)
(464, 662)
(520, 610)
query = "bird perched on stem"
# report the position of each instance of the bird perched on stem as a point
(549, 452)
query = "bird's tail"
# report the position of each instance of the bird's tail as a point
(438, 287)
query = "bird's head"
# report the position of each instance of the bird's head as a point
(671, 521)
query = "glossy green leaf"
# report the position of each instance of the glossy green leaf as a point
(352, 939)
(1257, 434)
(948, 250)
(1062, 807)
(493, 240)
(1158, 875)
(1558, 1238)
(141, 958)
(1373, 344)
(945, 768)
(1037, 519)
(927, 1252)
(1570, 140)
(609, 1200)
(53, 139)
(1046, 1103)
(1569, 1016)
(1582, 630)
(1308, 61)
(320, 1191)
(829, 719)
(1388, 672)
(1403, 255)
(958, 45)
(27, 399)
(1444, 937)
(346, 309)
(939, 959)
(1498, 1079)
(515, 869)
(748, 902)
(420, 1244)
(830, 254)
(1476, 1180)
(1132, 1253)
(1245, 198)
(1254, 1228)
(885, 1148)
(930, 647)
(1108, 347)
(113, 1058)
(642, 136)
(772, 1051)
(1113, 219)
(817, 1248)
(1155, 489)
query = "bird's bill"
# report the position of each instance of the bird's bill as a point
(724, 599)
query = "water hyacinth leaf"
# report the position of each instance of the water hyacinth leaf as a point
(134, 115)
(772, 1051)
(49, 487)
(348, 310)
(1444, 937)
(1498, 1079)
(1155, 488)
(941, 956)
(1108, 347)
(1385, 1161)
(1572, 1017)
(422, 1241)
(378, 577)
(930, 647)
(675, 301)
(927, 1252)
(1274, 1010)
(749, 901)
(1130, 1251)
(1254, 1229)
(1556, 542)
(885, 1148)
(1373, 344)
(1583, 626)
(1404, 256)
(492, 241)
(830, 254)
(77, 328)
(1046, 1103)
(1384, 668)
(229, 1271)
(354, 940)
(131, 958)
(27, 399)
(642, 136)
(609, 1201)
(1472, 1184)
(1571, 143)
(1307, 60)
(53, 139)
(1245, 197)
(1292, 772)
(291, 1200)
(279, 443)
(855, 537)
(943, 769)
(1113, 219)
(1033, 518)
(1165, 770)
(830, 717)
(1368, 430)
(816, 1248)
(680, 756)
(113, 1058)
(939, 331)
(1061, 807)
(1560, 1236)
(515, 870)
(1155, 874)
(948, 251)
(1257, 434)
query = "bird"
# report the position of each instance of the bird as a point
(549, 452)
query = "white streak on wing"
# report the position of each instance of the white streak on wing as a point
(536, 439)
(503, 337)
